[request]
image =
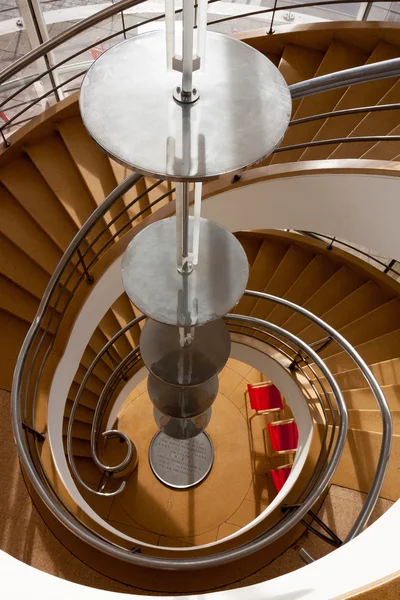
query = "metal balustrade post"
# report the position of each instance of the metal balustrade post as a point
(271, 27)
(88, 277)
(123, 24)
(37, 33)
(6, 142)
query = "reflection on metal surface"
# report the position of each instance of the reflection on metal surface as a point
(182, 429)
(154, 285)
(128, 108)
(182, 402)
(181, 464)
(190, 365)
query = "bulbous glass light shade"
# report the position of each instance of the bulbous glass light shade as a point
(182, 429)
(182, 402)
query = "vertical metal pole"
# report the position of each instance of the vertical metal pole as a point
(364, 10)
(89, 278)
(185, 228)
(123, 23)
(36, 30)
(6, 143)
(271, 27)
(187, 46)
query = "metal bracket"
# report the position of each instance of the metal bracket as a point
(298, 358)
(89, 278)
(40, 436)
(177, 63)
(331, 537)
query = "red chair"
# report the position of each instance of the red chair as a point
(284, 436)
(264, 398)
(280, 476)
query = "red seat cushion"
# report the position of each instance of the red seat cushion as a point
(265, 397)
(283, 436)
(279, 477)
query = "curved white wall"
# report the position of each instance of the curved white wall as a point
(301, 202)
(361, 208)
(364, 209)
(372, 556)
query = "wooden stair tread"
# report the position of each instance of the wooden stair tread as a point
(19, 302)
(123, 312)
(23, 231)
(268, 258)
(54, 162)
(21, 269)
(93, 165)
(14, 331)
(83, 413)
(94, 384)
(110, 326)
(88, 398)
(80, 430)
(314, 277)
(381, 320)
(79, 447)
(41, 203)
(371, 420)
(359, 461)
(251, 246)
(372, 124)
(338, 57)
(291, 267)
(298, 63)
(381, 349)
(362, 301)
(384, 150)
(366, 94)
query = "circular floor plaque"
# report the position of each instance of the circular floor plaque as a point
(181, 464)
(128, 108)
(213, 288)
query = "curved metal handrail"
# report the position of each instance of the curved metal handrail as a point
(325, 468)
(387, 430)
(334, 240)
(375, 71)
(133, 358)
(109, 433)
(49, 501)
(118, 7)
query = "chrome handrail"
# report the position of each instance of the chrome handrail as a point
(387, 425)
(109, 433)
(133, 358)
(321, 463)
(333, 239)
(49, 500)
(118, 7)
(316, 85)
(356, 75)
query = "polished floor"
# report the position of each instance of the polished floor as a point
(235, 492)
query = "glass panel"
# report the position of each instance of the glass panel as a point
(385, 11)
(293, 16)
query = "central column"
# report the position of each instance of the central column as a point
(159, 105)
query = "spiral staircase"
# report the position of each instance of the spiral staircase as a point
(53, 181)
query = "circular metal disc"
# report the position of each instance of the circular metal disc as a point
(191, 365)
(181, 464)
(182, 402)
(182, 429)
(127, 106)
(212, 289)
